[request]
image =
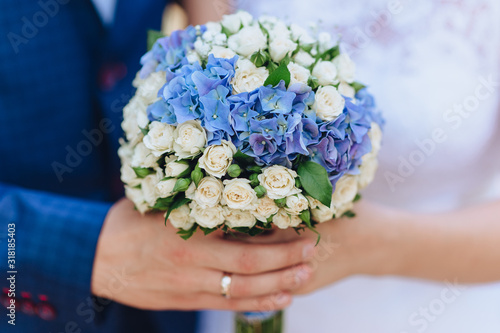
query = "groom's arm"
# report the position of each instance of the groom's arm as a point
(55, 239)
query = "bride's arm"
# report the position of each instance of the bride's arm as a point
(459, 246)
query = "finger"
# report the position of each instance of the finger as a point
(248, 286)
(273, 236)
(245, 258)
(213, 302)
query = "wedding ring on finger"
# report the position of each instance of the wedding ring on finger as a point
(225, 285)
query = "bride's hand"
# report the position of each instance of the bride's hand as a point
(366, 244)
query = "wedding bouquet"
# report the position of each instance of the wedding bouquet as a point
(245, 124)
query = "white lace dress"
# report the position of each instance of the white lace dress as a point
(434, 67)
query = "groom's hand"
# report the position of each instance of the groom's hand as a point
(141, 263)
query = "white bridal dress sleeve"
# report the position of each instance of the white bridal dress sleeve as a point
(434, 68)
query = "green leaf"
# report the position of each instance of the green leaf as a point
(313, 82)
(329, 54)
(143, 172)
(254, 180)
(179, 201)
(207, 231)
(153, 36)
(279, 74)
(306, 217)
(298, 184)
(314, 179)
(186, 234)
(163, 203)
(349, 214)
(243, 158)
(358, 86)
(254, 168)
(271, 66)
(357, 197)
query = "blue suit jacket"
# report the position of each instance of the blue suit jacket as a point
(64, 79)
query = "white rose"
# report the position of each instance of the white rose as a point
(209, 192)
(300, 35)
(135, 195)
(189, 139)
(143, 157)
(368, 169)
(278, 181)
(346, 68)
(279, 30)
(126, 151)
(325, 72)
(130, 125)
(346, 90)
(324, 41)
(234, 22)
(214, 27)
(174, 169)
(284, 220)
(266, 207)
(295, 204)
(160, 138)
(345, 190)
(128, 175)
(222, 52)
(304, 59)
(280, 47)
(216, 159)
(149, 87)
(343, 208)
(375, 135)
(245, 17)
(298, 73)
(247, 41)
(321, 213)
(237, 218)
(238, 194)
(148, 187)
(268, 21)
(191, 191)
(210, 217)
(165, 188)
(328, 103)
(248, 77)
(180, 218)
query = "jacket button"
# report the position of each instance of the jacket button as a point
(45, 311)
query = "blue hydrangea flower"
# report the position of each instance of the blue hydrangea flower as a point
(276, 99)
(216, 110)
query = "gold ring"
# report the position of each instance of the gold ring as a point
(225, 285)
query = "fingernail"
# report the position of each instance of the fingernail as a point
(282, 299)
(308, 252)
(303, 274)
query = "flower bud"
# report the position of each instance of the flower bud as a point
(254, 179)
(234, 171)
(280, 202)
(182, 185)
(197, 175)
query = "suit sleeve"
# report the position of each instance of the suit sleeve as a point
(55, 242)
